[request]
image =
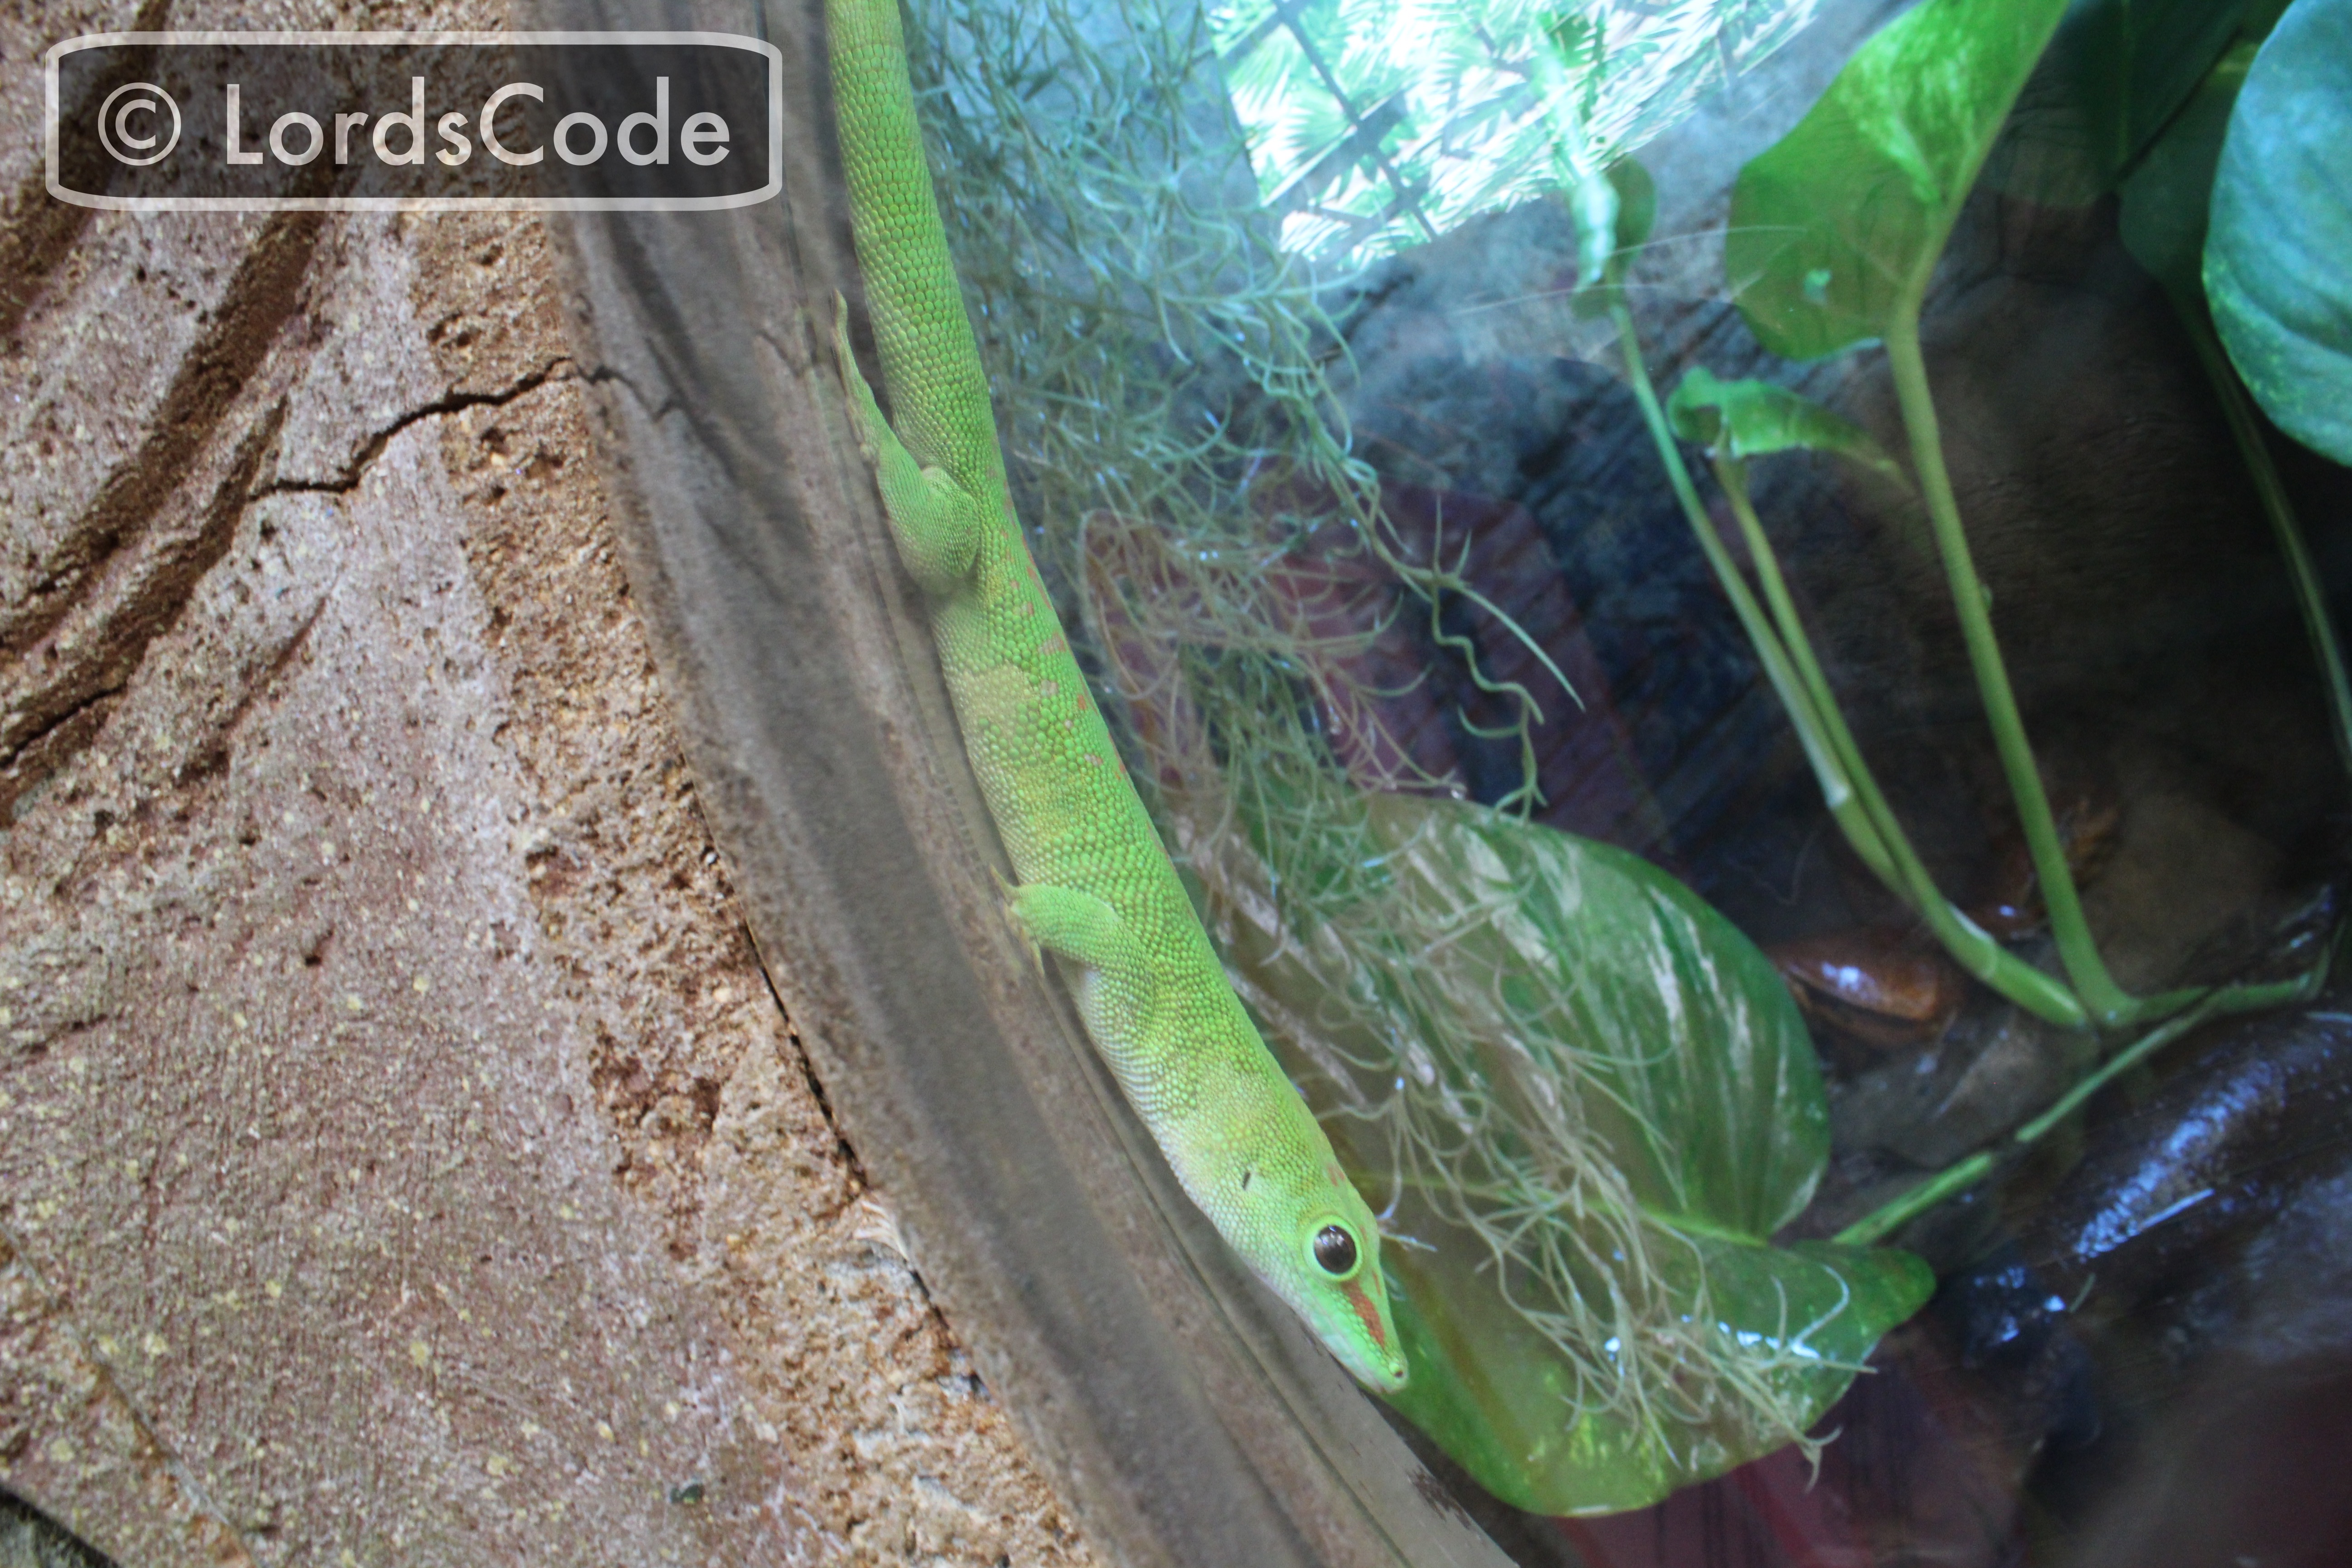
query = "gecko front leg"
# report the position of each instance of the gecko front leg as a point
(936, 523)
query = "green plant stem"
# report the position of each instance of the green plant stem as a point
(1855, 800)
(1843, 804)
(1968, 942)
(1956, 1179)
(2109, 1004)
(2310, 598)
(1889, 1217)
(1861, 810)
(2208, 1005)
(2114, 1066)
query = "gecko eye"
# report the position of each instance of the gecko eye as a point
(1335, 1251)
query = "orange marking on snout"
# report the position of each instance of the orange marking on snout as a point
(1361, 1299)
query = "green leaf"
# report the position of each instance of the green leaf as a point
(2113, 77)
(1744, 419)
(1711, 1099)
(1591, 1101)
(1836, 228)
(2167, 199)
(1490, 1389)
(1613, 211)
(2275, 267)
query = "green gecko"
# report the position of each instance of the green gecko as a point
(1095, 887)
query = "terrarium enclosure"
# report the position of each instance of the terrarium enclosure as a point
(1728, 609)
(1725, 610)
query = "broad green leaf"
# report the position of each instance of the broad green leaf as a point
(1836, 228)
(1588, 1102)
(2276, 266)
(2116, 73)
(2167, 199)
(1710, 1096)
(1489, 1388)
(1743, 419)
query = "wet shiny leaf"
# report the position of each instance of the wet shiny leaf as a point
(1490, 1389)
(1583, 1176)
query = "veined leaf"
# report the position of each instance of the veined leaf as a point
(2275, 267)
(1745, 419)
(1587, 1102)
(1799, 1321)
(1836, 228)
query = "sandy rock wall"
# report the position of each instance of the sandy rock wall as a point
(403, 1157)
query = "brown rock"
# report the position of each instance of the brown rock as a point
(403, 1157)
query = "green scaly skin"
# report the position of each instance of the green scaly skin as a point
(1095, 886)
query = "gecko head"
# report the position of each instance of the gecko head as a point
(1328, 1269)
